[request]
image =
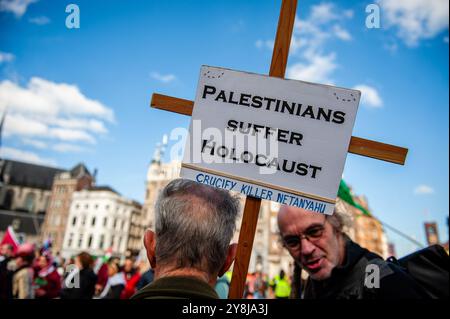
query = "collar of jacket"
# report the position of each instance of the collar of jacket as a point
(179, 287)
(353, 253)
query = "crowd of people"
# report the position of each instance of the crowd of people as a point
(31, 273)
(190, 253)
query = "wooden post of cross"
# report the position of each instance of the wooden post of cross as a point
(360, 146)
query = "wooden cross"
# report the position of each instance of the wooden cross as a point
(360, 146)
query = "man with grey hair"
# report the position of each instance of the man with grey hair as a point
(190, 248)
(338, 268)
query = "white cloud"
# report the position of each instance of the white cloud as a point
(317, 69)
(42, 20)
(22, 125)
(67, 148)
(369, 96)
(24, 156)
(48, 98)
(17, 7)
(35, 143)
(6, 57)
(324, 12)
(416, 19)
(164, 78)
(341, 33)
(92, 125)
(71, 135)
(423, 190)
(55, 111)
(324, 23)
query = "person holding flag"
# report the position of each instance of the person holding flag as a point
(10, 238)
(22, 285)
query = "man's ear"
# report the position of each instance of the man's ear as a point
(150, 247)
(231, 254)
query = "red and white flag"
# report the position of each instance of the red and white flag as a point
(10, 238)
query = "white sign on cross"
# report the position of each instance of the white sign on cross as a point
(308, 124)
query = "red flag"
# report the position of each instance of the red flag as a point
(10, 238)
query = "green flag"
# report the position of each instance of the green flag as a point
(345, 194)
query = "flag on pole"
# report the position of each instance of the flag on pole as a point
(108, 255)
(10, 238)
(345, 194)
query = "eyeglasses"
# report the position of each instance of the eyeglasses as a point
(313, 234)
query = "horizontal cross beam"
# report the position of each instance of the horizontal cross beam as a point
(359, 146)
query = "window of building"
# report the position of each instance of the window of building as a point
(74, 221)
(7, 202)
(30, 202)
(93, 221)
(70, 241)
(56, 219)
(90, 241)
(102, 241)
(120, 243)
(112, 242)
(83, 221)
(80, 241)
(115, 223)
(105, 221)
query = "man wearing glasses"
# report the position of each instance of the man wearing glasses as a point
(337, 266)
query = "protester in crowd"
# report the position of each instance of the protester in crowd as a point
(132, 276)
(190, 247)
(80, 282)
(336, 265)
(47, 280)
(22, 284)
(260, 286)
(222, 287)
(61, 266)
(101, 270)
(146, 277)
(249, 288)
(281, 286)
(116, 281)
(6, 274)
(35, 265)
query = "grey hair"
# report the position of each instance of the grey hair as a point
(342, 219)
(194, 225)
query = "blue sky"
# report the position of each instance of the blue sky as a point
(83, 94)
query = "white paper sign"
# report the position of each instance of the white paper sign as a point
(275, 139)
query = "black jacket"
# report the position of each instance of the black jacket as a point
(86, 290)
(177, 287)
(348, 281)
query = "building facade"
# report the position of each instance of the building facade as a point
(64, 185)
(99, 220)
(26, 187)
(158, 176)
(367, 231)
(137, 229)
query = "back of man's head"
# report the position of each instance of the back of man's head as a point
(194, 225)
